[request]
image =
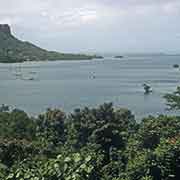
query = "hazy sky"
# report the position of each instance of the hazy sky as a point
(96, 25)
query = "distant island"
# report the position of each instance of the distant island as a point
(118, 57)
(13, 50)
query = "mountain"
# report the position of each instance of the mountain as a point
(14, 50)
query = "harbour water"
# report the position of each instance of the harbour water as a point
(35, 86)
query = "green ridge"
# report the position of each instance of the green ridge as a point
(14, 50)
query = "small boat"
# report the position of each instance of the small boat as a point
(18, 74)
(92, 76)
(31, 79)
(28, 79)
(32, 72)
(147, 89)
(118, 57)
(176, 66)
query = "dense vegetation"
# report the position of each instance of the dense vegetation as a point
(13, 50)
(101, 143)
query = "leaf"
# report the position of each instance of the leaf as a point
(83, 166)
(65, 167)
(56, 166)
(59, 156)
(18, 174)
(67, 159)
(77, 157)
(10, 176)
(88, 158)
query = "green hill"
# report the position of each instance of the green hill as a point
(14, 50)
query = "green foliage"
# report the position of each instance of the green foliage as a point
(14, 151)
(138, 166)
(72, 166)
(101, 143)
(51, 131)
(88, 124)
(173, 100)
(17, 124)
(168, 158)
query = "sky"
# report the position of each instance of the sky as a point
(121, 26)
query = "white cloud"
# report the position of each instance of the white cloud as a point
(78, 12)
(6, 20)
(10, 20)
(172, 8)
(82, 21)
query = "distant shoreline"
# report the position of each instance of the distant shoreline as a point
(61, 60)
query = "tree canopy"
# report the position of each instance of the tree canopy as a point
(102, 143)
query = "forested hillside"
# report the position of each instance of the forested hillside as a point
(14, 50)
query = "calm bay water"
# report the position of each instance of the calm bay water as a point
(73, 84)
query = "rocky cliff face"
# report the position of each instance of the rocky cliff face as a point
(5, 28)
